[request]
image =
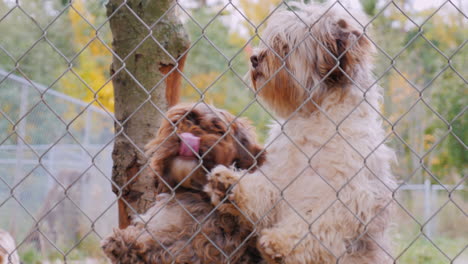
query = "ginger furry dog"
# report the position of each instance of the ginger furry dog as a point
(325, 189)
(169, 231)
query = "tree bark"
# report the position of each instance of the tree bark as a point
(143, 74)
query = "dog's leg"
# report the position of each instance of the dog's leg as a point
(252, 193)
(296, 240)
(286, 241)
(290, 242)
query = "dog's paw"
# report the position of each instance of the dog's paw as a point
(115, 246)
(273, 246)
(123, 246)
(220, 180)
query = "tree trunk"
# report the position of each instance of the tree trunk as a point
(145, 72)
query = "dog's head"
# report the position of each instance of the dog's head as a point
(306, 54)
(195, 138)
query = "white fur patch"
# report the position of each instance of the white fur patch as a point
(182, 167)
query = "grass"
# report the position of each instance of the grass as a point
(422, 251)
(88, 249)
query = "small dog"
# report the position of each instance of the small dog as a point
(8, 252)
(184, 227)
(325, 189)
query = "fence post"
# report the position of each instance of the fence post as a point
(51, 165)
(428, 207)
(21, 129)
(86, 136)
(20, 132)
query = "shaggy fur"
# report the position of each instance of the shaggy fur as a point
(169, 231)
(8, 253)
(324, 192)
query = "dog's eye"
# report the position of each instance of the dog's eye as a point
(219, 131)
(217, 126)
(193, 117)
(261, 56)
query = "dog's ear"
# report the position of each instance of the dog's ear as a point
(349, 37)
(280, 47)
(250, 154)
(347, 47)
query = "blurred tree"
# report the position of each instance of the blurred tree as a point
(448, 95)
(145, 78)
(369, 7)
(27, 52)
(26, 45)
(420, 62)
(91, 64)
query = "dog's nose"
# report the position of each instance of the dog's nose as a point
(254, 61)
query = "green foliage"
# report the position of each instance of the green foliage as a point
(89, 248)
(369, 6)
(450, 102)
(419, 64)
(23, 32)
(30, 256)
(447, 94)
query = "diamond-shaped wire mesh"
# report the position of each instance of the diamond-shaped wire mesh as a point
(63, 190)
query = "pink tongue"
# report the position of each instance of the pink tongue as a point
(189, 145)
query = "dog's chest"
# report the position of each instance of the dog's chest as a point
(285, 160)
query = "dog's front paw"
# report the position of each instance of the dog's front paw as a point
(125, 246)
(273, 246)
(116, 247)
(220, 180)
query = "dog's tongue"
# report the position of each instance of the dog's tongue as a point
(189, 145)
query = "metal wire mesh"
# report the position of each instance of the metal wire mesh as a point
(55, 148)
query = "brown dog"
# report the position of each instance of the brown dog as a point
(183, 226)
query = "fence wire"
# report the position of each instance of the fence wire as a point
(56, 195)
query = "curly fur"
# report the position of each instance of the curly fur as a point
(325, 190)
(169, 232)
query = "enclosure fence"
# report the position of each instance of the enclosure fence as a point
(49, 166)
(56, 150)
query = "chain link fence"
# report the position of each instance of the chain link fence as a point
(53, 171)
(57, 126)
